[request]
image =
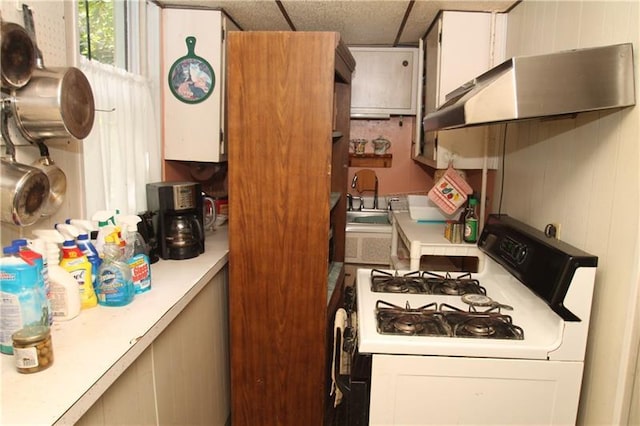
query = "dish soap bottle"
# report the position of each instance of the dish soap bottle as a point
(115, 287)
(471, 222)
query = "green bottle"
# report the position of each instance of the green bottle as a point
(471, 222)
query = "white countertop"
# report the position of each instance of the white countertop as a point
(94, 349)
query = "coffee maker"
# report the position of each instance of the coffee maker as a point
(177, 218)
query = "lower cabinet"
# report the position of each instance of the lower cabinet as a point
(183, 377)
(368, 248)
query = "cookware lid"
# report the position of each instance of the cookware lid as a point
(76, 103)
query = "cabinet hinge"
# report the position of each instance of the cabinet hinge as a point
(222, 34)
(440, 37)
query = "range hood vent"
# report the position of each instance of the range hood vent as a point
(529, 87)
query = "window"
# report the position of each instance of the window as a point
(104, 31)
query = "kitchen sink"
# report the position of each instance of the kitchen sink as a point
(369, 221)
(369, 216)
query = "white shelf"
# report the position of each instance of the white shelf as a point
(425, 239)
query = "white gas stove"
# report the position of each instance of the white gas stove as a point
(505, 345)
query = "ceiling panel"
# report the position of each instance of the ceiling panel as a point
(360, 22)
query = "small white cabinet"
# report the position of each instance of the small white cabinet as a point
(385, 81)
(194, 93)
(458, 47)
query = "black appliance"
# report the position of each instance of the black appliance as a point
(177, 216)
(146, 229)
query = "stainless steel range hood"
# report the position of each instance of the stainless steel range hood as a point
(541, 86)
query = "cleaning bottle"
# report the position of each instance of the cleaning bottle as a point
(34, 258)
(471, 222)
(22, 299)
(115, 287)
(64, 296)
(138, 259)
(105, 220)
(77, 264)
(82, 230)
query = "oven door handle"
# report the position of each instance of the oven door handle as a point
(343, 381)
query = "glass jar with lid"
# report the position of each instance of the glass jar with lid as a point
(32, 348)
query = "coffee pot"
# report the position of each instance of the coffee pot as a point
(208, 212)
(177, 209)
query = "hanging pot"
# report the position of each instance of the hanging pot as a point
(56, 177)
(57, 102)
(23, 189)
(17, 56)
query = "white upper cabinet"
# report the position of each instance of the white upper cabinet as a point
(385, 81)
(193, 84)
(459, 46)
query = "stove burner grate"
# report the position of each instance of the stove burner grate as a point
(446, 321)
(422, 321)
(385, 282)
(424, 283)
(453, 286)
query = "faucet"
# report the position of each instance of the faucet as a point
(391, 200)
(350, 199)
(375, 196)
(354, 183)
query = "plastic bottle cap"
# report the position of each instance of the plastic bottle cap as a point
(10, 250)
(473, 201)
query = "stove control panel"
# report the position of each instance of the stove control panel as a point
(513, 250)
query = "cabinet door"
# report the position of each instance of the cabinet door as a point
(465, 50)
(193, 131)
(384, 81)
(458, 48)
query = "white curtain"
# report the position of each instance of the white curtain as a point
(122, 152)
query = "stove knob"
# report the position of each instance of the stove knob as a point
(521, 254)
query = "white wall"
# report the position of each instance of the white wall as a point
(584, 174)
(66, 153)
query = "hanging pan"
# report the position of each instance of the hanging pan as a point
(191, 78)
(57, 102)
(17, 55)
(56, 177)
(23, 189)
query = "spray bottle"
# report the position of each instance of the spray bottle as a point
(138, 259)
(105, 219)
(65, 292)
(114, 287)
(77, 264)
(82, 231)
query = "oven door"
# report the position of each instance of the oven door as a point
(351, 371)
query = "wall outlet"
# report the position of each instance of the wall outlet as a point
(552, 230)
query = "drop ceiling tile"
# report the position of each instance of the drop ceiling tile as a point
(360, 22)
